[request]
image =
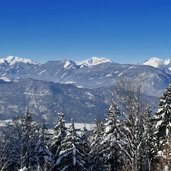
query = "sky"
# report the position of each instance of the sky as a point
(126, 31)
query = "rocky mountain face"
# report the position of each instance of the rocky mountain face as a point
(74, 88)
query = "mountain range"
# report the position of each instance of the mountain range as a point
(80, 89)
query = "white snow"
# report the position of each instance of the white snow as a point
(81, 125)
(160, 153)
(77, 125)
(108, 75)
(159, 110)
(158, 123)
(80, 86)
(74, 155)
(131, 67)
(90, 96)
(62, 76)
(2, 60)
(23, 169)
(68, 82)
(93, 61)
(67, 64)
(41, 72)
(159, 63)
(108, 128)
(120, 74)
(3, 123)
(5, 79)
(11, 60)
(14, 59)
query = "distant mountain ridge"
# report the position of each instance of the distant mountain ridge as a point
(92, 73)
(153, 61)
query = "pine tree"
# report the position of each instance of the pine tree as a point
(134, 134)
(85, 146)
(9, 149)
(20, 139)
(29, 138)
(96, 155)
(162, 121)
(72, 155)
(147, 150)
(42, 151)
(111, 138)
(59, 135)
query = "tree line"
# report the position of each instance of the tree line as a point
(133, 140)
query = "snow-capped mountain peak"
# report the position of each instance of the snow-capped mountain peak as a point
(15, 59)
(2, 60)
(94, 61)
(69, 64)
(159, 63)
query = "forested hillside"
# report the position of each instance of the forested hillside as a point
(134, 140)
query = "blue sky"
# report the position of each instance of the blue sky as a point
(127, 31)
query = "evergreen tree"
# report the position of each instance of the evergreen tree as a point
(29, 138)
(134, 133)
(9, 149)
(59, 135)
(96, 155)
(111, 138)
(147, 150)
(85, 145)
(72, 155)
(20, 139)
(42, 152)
(162, 121)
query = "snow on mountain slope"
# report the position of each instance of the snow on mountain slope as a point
(68, 64)
(5, 79)
(11, 60)
(93, 61)
(159, 63)
(2, 61)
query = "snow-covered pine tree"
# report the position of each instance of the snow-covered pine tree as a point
(9, 149)
(162, 121)
(85, 145)
(133, 131)
(72, 155)
(96, 155)
(20, 139)
(42, 151)
(147, 150)
(29, 138)
(58, 137)
(111, 138)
